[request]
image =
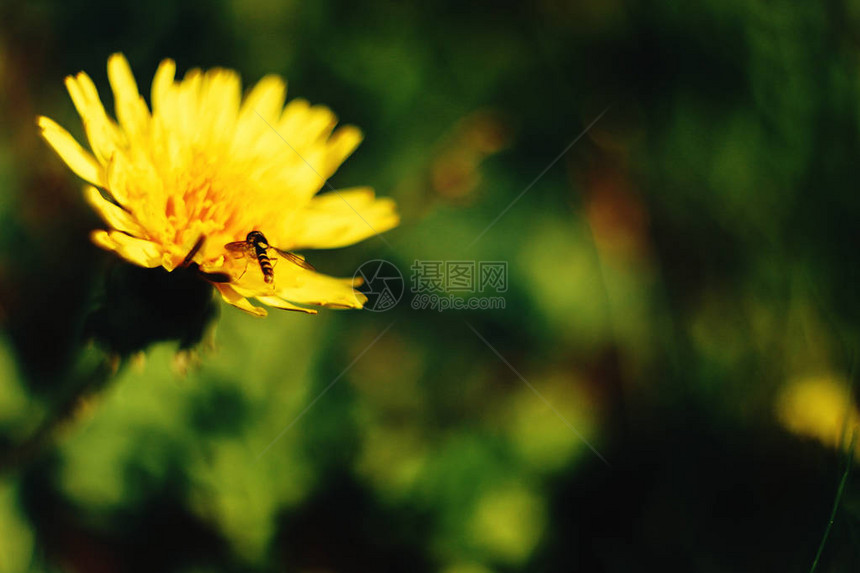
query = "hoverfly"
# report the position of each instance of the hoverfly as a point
(256, 246)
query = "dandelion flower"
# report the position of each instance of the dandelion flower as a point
(205, 168)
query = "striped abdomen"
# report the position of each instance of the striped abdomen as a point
(261, 248)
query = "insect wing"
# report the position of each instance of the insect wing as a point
(295, 259)
(239, 248)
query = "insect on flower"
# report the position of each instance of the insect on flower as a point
(180, 182)
(256, 246)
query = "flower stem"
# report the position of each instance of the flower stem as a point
(836, 502)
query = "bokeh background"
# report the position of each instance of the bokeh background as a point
(682, 294)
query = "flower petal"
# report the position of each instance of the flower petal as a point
(84, 94)
(299, 285)
(103, 134)
(232, 297)
(138, 251)
(340, 218)
(76, 157)
(266, 98)
(187, 105)
(219, 104)
(162, 83)
(341, 145)
(115, 216)
(305, 124)
(318, 289)
(284, 305)
(131, 110)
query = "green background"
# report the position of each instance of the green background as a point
(686, 260)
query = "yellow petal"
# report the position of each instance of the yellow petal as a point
(232, 297)
(340, 218)
(189, 118)
(102, 132)
(138, 251)
(260, 111)
(341, 145)
(162, 83)
(266, 99)
(284, 305)
(304, 125)
(299, 285)
(318, 289)
(76, 157)
(131, 110)
(115, 216)
(84, 94)
(219, 104)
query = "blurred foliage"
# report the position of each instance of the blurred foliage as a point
(682, 293)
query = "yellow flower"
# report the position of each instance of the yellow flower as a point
(820, 407)
(206, 167)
